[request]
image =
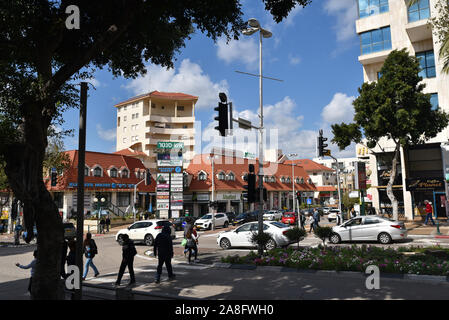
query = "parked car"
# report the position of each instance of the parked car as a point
(205, 222)
(272, 215)
(69, 230)
(326, 210)
(231, 216)
(332, 216)
(369, 228)
(145, 231)
(180, 222)
(241, 236)
(244, 218)
(289, 218)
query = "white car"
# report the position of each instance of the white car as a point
(272, 215)
(326, 210)
(332, 216)
(369, 228)
(205, 222)
(241, 237)
(145, 231)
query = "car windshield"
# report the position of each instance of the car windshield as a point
(288, 215)
(279, 224)
(241, 216)
(206, 216)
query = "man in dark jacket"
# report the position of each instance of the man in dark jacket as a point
(163, 249)
(128, 253)
(108, 223)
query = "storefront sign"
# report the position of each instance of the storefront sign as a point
(162, 206)
(103, 185)
(163, 193)
(163, 186)
(188, 197)
(169, 163)
(228, 196)
(360, 176)
(170, 145)
(307, 194)
(176, 189)
(419, 184)
(202, 197)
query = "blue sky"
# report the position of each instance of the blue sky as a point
(314, 51)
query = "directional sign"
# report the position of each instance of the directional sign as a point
(170, 145)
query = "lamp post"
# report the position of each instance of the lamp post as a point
(211, 158)
(293, 180)
(254, 26)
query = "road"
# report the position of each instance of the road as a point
(202, 281)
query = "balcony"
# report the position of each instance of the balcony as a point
(167, 119)
(419, 30)
(374, 57)
(179, 131)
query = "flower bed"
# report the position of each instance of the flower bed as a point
(354, 258)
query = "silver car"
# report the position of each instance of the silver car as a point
(369, 228)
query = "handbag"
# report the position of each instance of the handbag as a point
(184, 242)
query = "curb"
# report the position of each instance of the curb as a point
(350, 274)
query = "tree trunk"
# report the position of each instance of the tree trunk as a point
(390, 193)
(24, 170)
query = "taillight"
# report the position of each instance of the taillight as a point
(158, 227)
(284, 232)
(396, 226)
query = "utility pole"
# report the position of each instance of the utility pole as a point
(80, 189)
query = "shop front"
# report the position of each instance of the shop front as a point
(431, 189)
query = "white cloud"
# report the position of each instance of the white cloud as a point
(189, 78)
(294, 60)
(346, 14)
(106, 134)
(245, 51)
(94, 82)
(340, 109)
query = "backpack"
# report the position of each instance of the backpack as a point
(94, 249)
(133, 251)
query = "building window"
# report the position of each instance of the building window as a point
(221, 176)
(180, 108)
(434, 101)
(162, 107)
(419, 11)
(125, 173)
(266, 179)
(375, 40)
(282, 179)
(124, 129)
(202, 176)
(371, 7)
(123, 199)
(124, 140)
(231, 176)
(113, 173)
(118, 122)
(97, 172)
(124, 118)
(58, 198)
(245, 177)
(124, 108)
(132, 116)
(288, 180)
(297, 180)
(427, 64)
(273, 179)
(302, 180)
(86, 171)
(137, 115)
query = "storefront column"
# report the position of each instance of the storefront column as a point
(228, 206)
(408, 205)
(67, 196)
(114, 198)
(271, 200)
(279, 199)
(196, 209)
(241, 206)
(374, 182)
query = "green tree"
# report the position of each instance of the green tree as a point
(395, 108)
(41, 61)
(296, 234)
(440, 26)
(323, 233)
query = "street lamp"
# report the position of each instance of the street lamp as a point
(293, 180)
(211, 158)
(254, 26)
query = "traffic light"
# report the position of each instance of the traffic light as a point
(321, 146)
(298, 196)
(222, 118)
(251, 186)
(265, 195)
(148, 178)
(54, 178)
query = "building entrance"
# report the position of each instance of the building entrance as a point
(440, 204)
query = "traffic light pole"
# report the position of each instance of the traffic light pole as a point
(261, 155)
(338, 186)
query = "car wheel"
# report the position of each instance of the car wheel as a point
(271, 244)
(120, 239)
(226, 224)
(335, 238)
(384, 238)
(149, 240)
(225, 243)
(209, 227)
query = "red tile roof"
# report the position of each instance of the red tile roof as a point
(239, 167)
(106, 161)
(309, 165)
(160, 95)
(130, 152)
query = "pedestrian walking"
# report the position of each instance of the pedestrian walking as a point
(108, 223)
(163, 249)
(429, 212)
(128, 253)
(316, 217)
(102, 225)
(71, 257)
(90, 250)
(311, 222)
(302, 220)
(31, 266)
(192, 243)
(188, 224)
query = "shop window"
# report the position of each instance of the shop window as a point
(123, 199)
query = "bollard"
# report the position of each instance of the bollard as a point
(438, 228)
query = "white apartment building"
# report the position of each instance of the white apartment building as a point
(144, 120)
(385, 25)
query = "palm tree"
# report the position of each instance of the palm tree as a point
(442, 27)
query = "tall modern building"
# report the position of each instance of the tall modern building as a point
(385, 25)
(144, 120)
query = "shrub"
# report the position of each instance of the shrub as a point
(260, 239)
(323, 233)
(296, 234)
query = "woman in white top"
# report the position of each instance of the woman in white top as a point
(311, 221)
(32, 265)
